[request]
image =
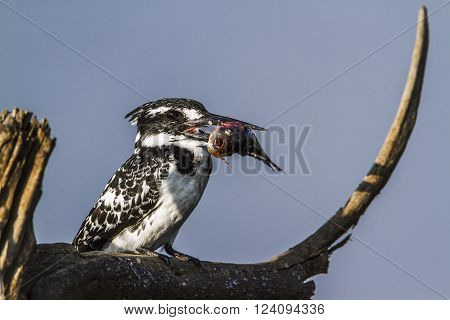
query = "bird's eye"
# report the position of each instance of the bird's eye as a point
(173, 115)
(218, 143)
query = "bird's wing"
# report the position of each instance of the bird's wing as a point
(130, 195)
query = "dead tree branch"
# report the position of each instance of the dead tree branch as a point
(25, 146)
(57, 271)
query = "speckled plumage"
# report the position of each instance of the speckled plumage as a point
(137, 191)
(146, 202)
(151, 195)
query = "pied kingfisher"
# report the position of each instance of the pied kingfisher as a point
(152, 194)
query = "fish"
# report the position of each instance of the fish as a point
(233, 137)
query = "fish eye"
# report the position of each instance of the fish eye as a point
(218, 142)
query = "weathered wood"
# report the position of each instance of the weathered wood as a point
(57, 271)
(100, 275)
(25, 146)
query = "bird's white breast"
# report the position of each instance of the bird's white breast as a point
(180, 194)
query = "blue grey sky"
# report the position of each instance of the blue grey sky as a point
(250, 60)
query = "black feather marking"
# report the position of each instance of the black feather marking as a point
(140, 115)
(105, 221)
(110, 215)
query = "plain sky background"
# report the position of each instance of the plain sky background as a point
(250, 60)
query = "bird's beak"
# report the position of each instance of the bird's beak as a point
(215, 120)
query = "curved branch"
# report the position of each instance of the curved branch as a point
(385, 162)
(57, 271)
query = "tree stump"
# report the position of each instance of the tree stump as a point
(25, 146)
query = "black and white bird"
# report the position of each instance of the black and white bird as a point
(152, 194)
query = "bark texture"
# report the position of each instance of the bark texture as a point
(56, 271)
(25, 146)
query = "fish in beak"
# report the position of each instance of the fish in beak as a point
(236, 137)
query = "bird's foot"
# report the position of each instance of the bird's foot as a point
(181, 256)
(167, 260)
(146, 252)
(185, 257)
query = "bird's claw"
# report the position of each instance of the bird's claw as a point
(146, 252)
(181, 256)
(193, 260)
(185, 257)
(167, 260)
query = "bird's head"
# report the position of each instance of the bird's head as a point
(176, 121)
